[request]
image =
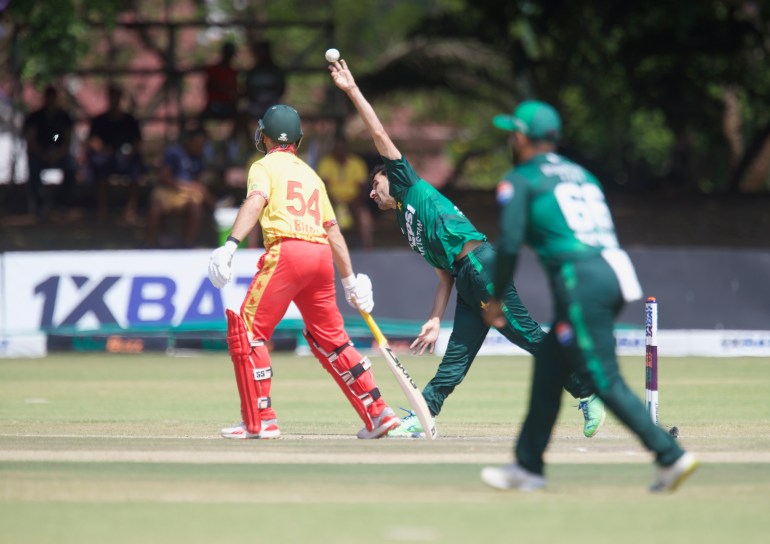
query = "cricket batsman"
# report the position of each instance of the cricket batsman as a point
(436, 229)
(303, 243)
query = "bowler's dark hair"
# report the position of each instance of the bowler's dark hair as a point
(379, 169)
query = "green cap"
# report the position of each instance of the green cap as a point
(282, 124)
(536, 120)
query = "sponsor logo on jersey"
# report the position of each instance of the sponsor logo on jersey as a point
(413, 233)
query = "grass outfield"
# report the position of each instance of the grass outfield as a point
(125, 449)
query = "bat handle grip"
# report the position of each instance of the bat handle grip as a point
(376, 332)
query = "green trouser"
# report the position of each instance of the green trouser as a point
(588, 298)
(473, 281)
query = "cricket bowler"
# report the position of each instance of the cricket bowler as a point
(437, 229)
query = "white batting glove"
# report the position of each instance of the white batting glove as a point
(358, 292)
(220, 264)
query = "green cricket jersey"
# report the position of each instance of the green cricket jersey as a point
(557, 208)
(434, 227)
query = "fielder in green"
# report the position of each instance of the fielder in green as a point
(436, 229)
(558, 208)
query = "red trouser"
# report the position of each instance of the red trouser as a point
(303, 272)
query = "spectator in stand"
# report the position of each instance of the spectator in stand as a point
(48, 133)
(181, 189)
(222, 86)
(346, 177)
(114, 148)
(265, 81)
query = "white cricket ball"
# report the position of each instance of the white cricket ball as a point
(332, 55)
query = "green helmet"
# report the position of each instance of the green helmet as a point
(536, 120)
(281, 124)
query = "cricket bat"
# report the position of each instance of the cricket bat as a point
(410, 389)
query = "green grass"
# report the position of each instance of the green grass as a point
(124, 449)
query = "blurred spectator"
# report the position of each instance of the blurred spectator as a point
(222, 86)
(181, 189)
(265, 81)
(114, 148)
(48, 132)
(345, 175)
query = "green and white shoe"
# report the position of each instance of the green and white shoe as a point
(593, 414)
(410, 426)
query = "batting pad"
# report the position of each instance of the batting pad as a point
(253, 374)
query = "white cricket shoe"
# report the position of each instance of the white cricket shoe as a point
(384, 422)
(269, 429)
(668, 478)
(512, 477)
(240, 432)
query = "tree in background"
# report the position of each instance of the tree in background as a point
(645, 87)
(654, 94)
(52, 36)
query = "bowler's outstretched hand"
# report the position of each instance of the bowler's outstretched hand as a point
(342, 77)
(427, 337)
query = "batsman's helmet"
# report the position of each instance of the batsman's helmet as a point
(281, 123)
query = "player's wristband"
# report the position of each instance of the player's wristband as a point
(231, 244)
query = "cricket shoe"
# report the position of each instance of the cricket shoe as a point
(269, 429)
(593, 414)
(381, 424)
(512, 476)
(240, 432)
(669, 478)
(410, 427)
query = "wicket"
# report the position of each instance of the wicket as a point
(651, 358)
